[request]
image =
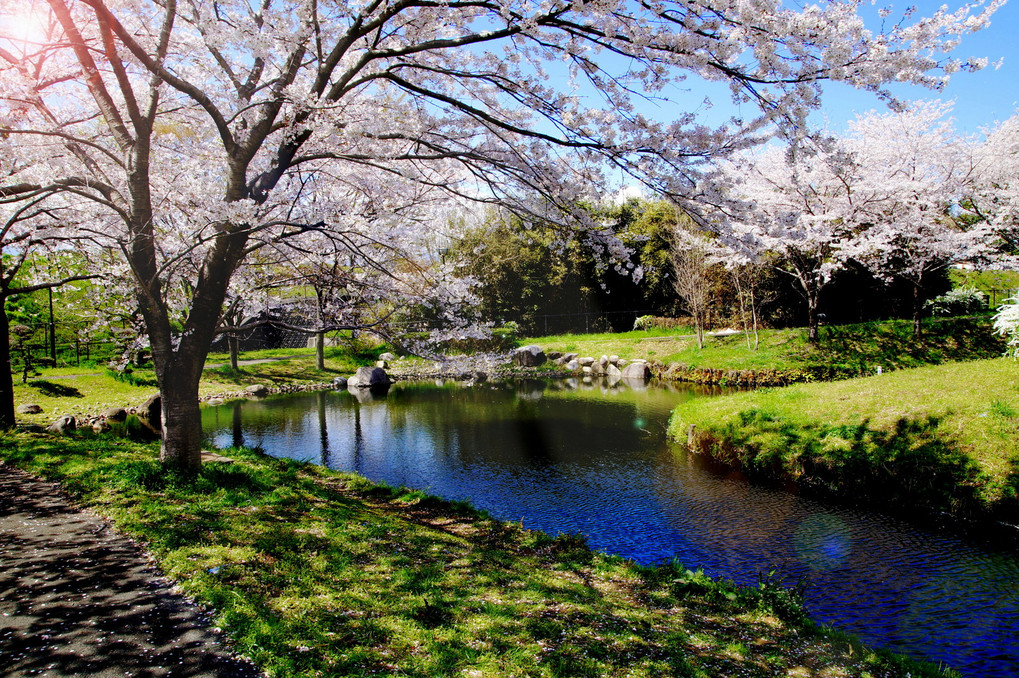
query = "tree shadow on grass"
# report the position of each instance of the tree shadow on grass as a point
(55, 390)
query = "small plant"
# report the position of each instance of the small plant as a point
(1006, 323)
(651, 322)
(20, 334)
(960, 301)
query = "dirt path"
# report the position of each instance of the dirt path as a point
(78, 599)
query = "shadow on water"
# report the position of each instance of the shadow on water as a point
(567, 457)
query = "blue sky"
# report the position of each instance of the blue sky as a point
(981, 99)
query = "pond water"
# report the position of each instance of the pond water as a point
(562, 457)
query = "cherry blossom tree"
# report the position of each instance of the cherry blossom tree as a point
(800, 203)
(886, 195)
(28, 232)
(917, 172)
(195, 132)
(995, 199)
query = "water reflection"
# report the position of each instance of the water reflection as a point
(593, 458)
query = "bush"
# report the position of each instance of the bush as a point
(961, 301)
(651, 322)
(1006, 323)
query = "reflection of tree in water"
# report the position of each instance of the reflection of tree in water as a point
(823, 541)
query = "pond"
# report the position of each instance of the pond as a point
(565, 457)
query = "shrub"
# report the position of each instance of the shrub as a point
(1006, 323)
(651, 322)
(960, 301)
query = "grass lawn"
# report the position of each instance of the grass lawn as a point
(945, 434)
(313, 572)
(91, 390)
(843, 350)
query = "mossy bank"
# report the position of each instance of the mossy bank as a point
(313, 572)
(925, 440)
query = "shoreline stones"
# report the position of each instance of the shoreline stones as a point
(529, 356)
(369, 377)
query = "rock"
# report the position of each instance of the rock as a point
(100, 426)
(382, 364)
(63, 425)
(586, 369)
(214, 402)
(570, 356)
(480, 377)
(388, 357)
(613, 372)
(622, 362)
(585, 362)
(554, 355)
(29, 408)
(369, 377)
(150, 414)
(573, 366)
(598, 368)
(257, 390)
(636, 371)
(117, 414)
(529, 356)
(613, 360)
(340, 383)
(603, 361)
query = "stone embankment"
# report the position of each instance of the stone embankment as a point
(531, 361)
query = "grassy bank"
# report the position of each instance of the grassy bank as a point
(89, 390)
(842, 351)
(312, 572)
(934, 438)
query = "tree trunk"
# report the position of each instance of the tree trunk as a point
(917, 311)
(813, 321)
(753, 315)
(7, 378)
(320, 355)
(182, 423)
(232, 342)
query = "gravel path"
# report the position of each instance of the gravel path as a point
(78, 599)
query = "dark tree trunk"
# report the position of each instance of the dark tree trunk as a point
(182, 423)
(917, 311)
(813, 321)
(7, 378)
(232, 343)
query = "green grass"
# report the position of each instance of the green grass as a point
(842, 350)
(84, 392)
(941, 437)
(312, 572)
(997, 285)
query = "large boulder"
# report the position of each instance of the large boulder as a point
(63, 425)
(117, 414)
(340, 383)
(257, 391)
(150, 414)
(529, 356)
(388, 357)
(637, 371)
(369, 377)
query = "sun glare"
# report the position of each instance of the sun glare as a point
(24, 26)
